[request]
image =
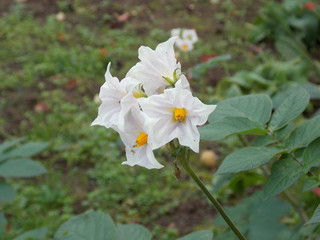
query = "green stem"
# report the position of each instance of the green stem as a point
(184, 160)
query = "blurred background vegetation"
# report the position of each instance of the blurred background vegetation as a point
(53, 55)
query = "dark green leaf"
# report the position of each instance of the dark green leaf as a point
(200, 235)
(36, 234)
(305, 133)
(7, 144)
(230, 126)
(89, 226)
(3, 222)
(256, 107)
(284, 173)
(289, 109)
(311, 155)
(310, 184)
(7, 192)
(132, 232)
(247, 158)
(263, 141)
(27, 150)
(21, 168)
(316, 216)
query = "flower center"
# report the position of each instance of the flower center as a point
(184, 47)
(180, 114)
(141, 139)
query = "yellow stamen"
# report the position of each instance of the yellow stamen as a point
(184, 47)
(180, 114)
(141, 139)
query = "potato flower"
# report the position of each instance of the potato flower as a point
(158, 69)
(136, 139)
(186, 38)
(177, 114)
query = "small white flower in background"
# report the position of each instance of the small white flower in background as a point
(157, 69)
(60, 16)
(96, 99)
(152, 105)
(187, 37)
(214, 1)
(135, 137)
(184, 45)
(177, 114)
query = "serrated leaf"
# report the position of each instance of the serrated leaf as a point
(36, 234)
(88, 226)
(26, 150)
(311, 155)
(305, 133)
(289, 109)
(316, 216)
(132, 232)
(255, 107)
(21, 168)
(200, 235)
(284, 173)
(231, 126)
(7, 192)
(247, 158)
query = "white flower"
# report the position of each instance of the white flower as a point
(190, 34)
(60, 16)
(175, 32)
(135, 137)
(184, 45)
(177, 114)
(158, 69)
(111, 94)
(214, 1)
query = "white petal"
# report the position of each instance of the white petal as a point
(189, 135)
(190, 35)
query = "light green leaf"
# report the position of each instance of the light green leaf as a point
(230, 126)
(289, 109)
(256, 107)
(283, 174)
(311, 155)
(316, 216)
(132, 232)
(7, 144)
(247, 158)
(310, 184)
(89, 226)
(26, 150)
(200, 235)
(36, 234)
(7, 192)
(3, 222)
(305, 133)
(21, 168)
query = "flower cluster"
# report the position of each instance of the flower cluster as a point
(152, 106)
(186, 38)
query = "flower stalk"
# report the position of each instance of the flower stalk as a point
(184, 161)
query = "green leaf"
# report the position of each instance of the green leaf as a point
(311, 155)
(247, 158)
(7, 144)
(7, 192)
(316, 216)
(287, 47)
(284, 173)
(310, 184)
(36, 234)
(200, 235)
(26, 150)
(132, 232)
(230, 126)
(263, 141)
(3, 222)
(89, 226)
(21, 168)
(255, 107)
(289, 109)
(305, 133)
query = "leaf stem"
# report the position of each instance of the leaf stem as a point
(184, 160)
